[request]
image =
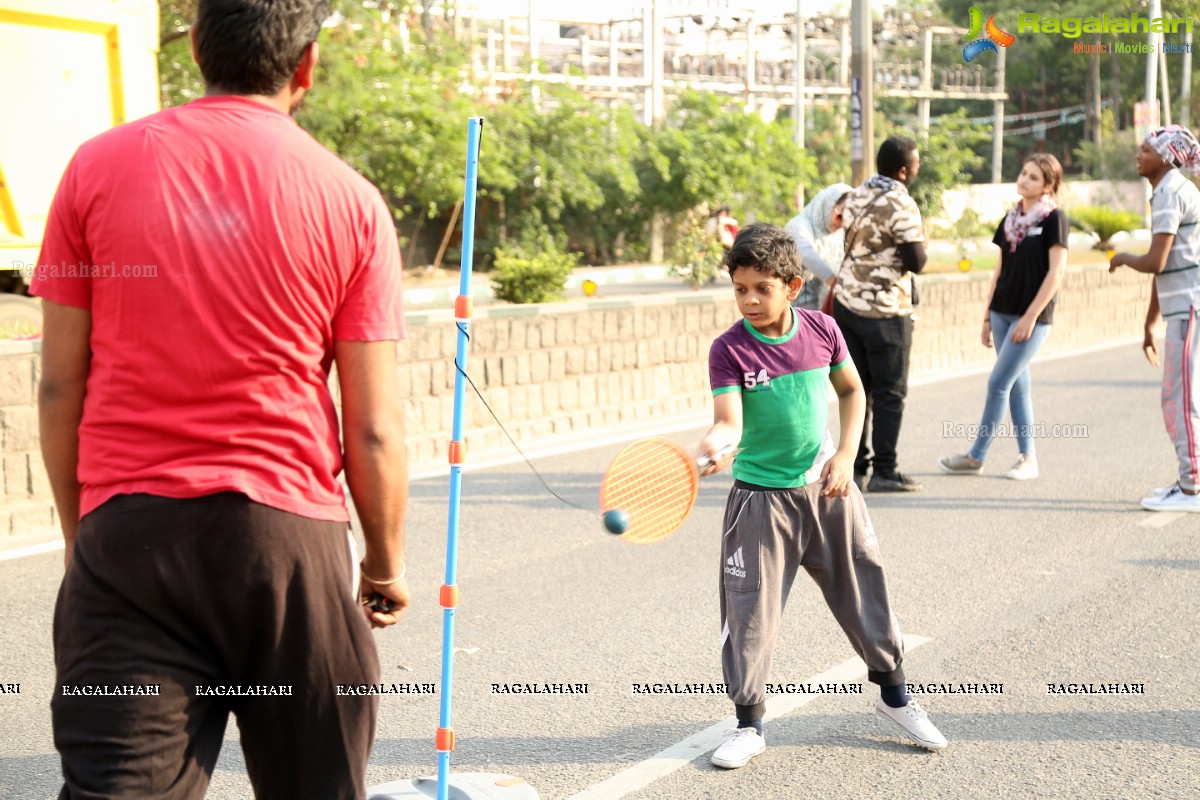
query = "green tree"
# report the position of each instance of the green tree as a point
(828, 144)
(949, 153)
(714, 154)
(568, 166)
(178, 74)
(1043, 72)
(395, 116)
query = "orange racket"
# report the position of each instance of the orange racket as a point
(654, 482)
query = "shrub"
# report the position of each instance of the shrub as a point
(539, 278)
(1105, 222)
(696, 255)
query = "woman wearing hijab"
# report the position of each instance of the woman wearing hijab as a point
(1033, 253)
(818, 233)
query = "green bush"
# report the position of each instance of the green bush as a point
(696, 255)
(539, 278)
(1105, 222)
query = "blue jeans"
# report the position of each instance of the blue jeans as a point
(1009, 385)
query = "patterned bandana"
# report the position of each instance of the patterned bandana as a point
(1177, 146)
(1017, 224)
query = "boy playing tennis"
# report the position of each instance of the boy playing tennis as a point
(792, 504)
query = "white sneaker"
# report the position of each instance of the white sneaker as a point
(738, 749)
(1163, 490)
(915, 722)
(960, 465)
(1025, 469)
(1175, 499)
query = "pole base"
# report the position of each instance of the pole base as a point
(463, 786)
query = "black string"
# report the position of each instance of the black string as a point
(462, 329)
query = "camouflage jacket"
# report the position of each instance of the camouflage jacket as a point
(879, 216)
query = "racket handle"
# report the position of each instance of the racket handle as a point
(704, 461)
(378, 602)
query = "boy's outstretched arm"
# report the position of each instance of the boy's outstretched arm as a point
(726, 431)
(838, 472)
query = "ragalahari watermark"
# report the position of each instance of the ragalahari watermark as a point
(82, 269)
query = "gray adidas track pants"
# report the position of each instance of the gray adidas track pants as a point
(769, 535)
(1181, 395)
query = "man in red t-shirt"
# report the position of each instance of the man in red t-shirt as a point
(202, 270)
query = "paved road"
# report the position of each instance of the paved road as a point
(1060, 580)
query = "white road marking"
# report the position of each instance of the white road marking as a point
(665, 762)
(1160, 519)
(31, 550)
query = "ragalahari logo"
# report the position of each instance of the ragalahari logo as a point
(980, 42)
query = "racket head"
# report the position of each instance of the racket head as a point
(654, 481)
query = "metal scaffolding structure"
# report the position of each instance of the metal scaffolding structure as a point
(642, 62)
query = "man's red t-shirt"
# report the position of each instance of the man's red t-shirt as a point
(224, 250)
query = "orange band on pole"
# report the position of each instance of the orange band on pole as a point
(463, 306)
(444, 741)
(458, 452)
(448, 596)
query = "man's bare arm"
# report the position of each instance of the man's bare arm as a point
(1153, 262)
(66, 363)
(376, 465)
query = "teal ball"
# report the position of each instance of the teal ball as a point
(616, 521)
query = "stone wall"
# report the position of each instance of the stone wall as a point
(567, 372)
(27, 510)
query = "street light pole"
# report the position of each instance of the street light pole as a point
(862, 72)
(535, 88)
(1152, 55)
(801, 55)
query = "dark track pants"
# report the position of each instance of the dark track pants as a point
(880, 349)
(216, 591)
(770, 535)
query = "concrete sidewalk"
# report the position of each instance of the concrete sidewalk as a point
(440, 292)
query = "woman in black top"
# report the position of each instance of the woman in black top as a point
(1033, 255)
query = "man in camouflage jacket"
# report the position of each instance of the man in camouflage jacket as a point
(873, 304)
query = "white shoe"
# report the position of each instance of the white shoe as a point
(1162, 490)
(960, 465)
(915, 722)
(1025, 469)
(738, 749)
(1174, 499)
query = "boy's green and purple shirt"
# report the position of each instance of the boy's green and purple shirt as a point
(784, 383)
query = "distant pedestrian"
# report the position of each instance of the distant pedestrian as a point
(727, 227)
(1033, 254)
(873, 304)
(818, 233)
(1175, 297)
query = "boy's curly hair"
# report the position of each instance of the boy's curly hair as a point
(766, 248)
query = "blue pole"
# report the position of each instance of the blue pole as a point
(449, 593)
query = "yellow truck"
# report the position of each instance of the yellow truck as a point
(69, 69)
